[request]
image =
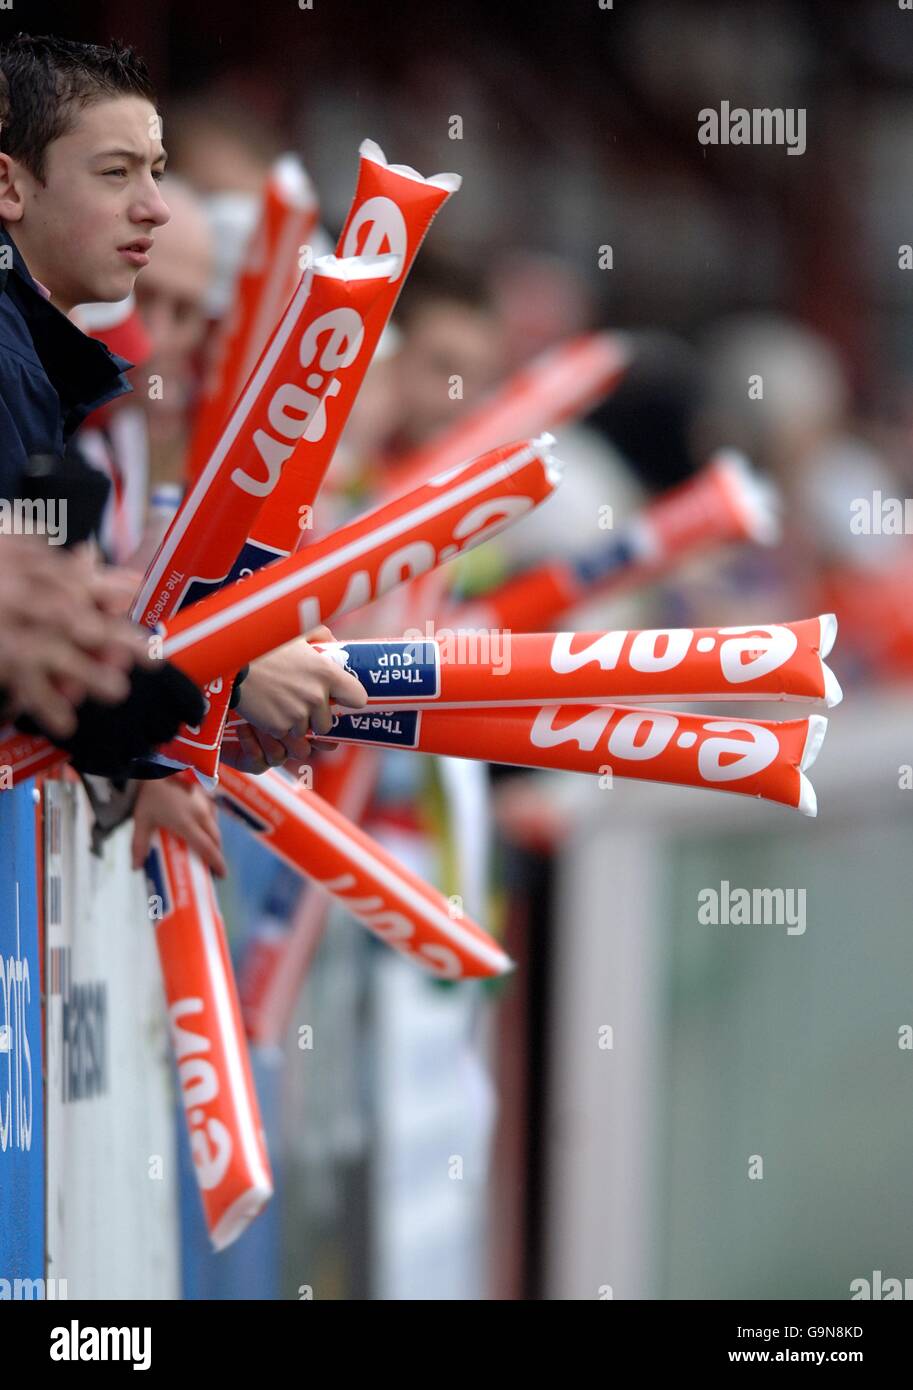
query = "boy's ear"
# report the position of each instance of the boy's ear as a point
(11, 205)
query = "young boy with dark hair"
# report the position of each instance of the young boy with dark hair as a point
(62, 240)
(81, 157)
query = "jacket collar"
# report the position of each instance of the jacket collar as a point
(83, 372)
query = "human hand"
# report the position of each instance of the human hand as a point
(59, 642)
(113, 587)
(183, 808)
(251, 750)
(288, 692)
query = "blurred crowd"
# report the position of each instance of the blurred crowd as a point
(750, 374)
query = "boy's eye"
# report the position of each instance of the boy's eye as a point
(157, 174)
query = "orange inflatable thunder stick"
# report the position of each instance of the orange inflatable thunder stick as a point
(220, 1103)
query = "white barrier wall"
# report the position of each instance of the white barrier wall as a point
(733, 1043)
(112, 1182)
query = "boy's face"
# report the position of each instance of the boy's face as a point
(100, 197)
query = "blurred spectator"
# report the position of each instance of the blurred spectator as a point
(220, 147)
(780, 392)
(540, 300)
(452, 350)
(171, 295)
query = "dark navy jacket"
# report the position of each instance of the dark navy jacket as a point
(51, 377)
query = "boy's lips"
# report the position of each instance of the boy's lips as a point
(135, 251)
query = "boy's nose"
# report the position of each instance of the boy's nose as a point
(162, 211)
(152, 208)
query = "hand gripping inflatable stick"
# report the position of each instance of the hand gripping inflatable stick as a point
(357, 563)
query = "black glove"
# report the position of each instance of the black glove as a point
(109, 737)
(79, 490)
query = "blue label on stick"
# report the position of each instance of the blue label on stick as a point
(391, 727)
(252, 558)
(404, 671)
